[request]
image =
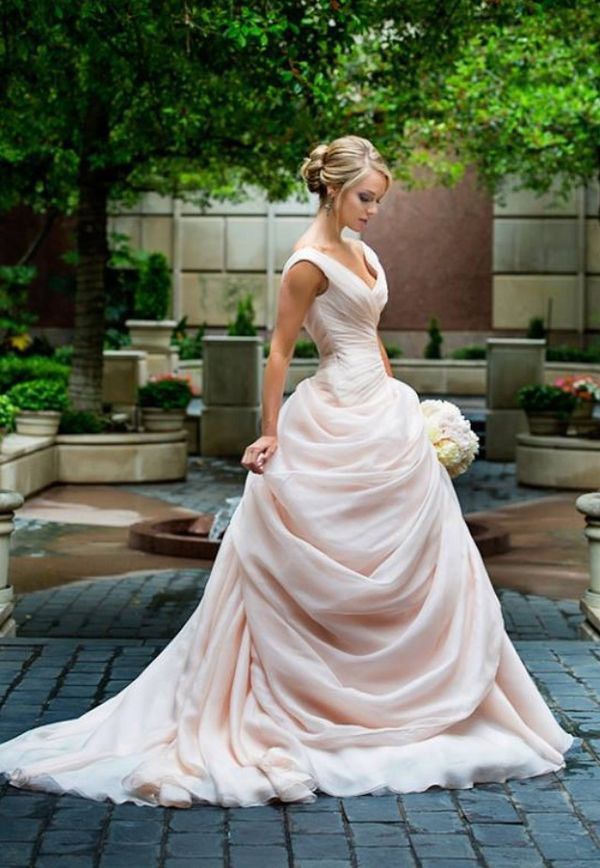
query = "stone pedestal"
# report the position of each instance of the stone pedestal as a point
(589, 505)
(154, 338)
(231, 389)
(124, 372)
(10, 501)
(512, 363)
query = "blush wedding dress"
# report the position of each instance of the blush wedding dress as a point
(349, 640)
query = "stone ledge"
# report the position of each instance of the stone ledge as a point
(558, 462)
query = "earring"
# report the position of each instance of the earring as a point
(328, 204)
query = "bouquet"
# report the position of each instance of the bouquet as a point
(455, 443)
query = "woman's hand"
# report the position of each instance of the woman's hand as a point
(258, 453)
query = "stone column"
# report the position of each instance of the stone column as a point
(9, 502)
(232, 370)
(589, 505)
(511, 363)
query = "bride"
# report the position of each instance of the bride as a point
(349, 640)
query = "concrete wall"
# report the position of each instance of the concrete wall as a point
(483, 268)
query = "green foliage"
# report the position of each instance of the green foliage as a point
(433, 349)
(189, 346)
(243, 325)
(536, 328)
(519, 100)
(393, 351)
(470, 351)
(14, 369)
(8, 411)
(15, 319)
(40, 395)
(566, 353)
(82, 422)
(152, 292)
(168, 393)
(63, 354)
(306, 349)
(537, 398)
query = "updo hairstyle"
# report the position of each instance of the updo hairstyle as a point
(341, 163)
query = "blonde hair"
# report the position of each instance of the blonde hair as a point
(340, 164)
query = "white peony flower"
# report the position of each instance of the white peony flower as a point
(455, 443)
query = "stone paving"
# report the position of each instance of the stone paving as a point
(81, 643)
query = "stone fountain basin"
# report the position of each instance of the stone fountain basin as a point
(175, 537)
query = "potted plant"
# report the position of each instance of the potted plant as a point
(7, 416)
(39, 406)
(548, 408)
(149, 329)
(586, 390)
(164, 401)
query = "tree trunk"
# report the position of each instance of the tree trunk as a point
(85, 386)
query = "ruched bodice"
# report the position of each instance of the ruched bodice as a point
(349, 639)
(343, 324)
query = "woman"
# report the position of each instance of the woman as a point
(349, 639)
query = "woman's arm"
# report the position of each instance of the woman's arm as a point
(301, 284)
(384, 356)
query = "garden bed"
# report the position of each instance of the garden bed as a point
(29, 464)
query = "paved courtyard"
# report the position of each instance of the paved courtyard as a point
(82, 642)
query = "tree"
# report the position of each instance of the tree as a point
(102, 100)
(522, 97)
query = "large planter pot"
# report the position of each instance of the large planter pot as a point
(156, 419)
(150, 335)
(547, 423)
(38, 423)
(581, 419)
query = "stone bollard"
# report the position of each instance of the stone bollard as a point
(511, 363)
(589, 505)
(9, 502)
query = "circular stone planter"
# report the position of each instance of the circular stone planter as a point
(174, 537)
(156, 419)
(558, 462)
(38, 423)
(113, 458)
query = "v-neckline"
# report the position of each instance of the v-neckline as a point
(370, 289)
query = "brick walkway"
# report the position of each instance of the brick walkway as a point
(79, 644)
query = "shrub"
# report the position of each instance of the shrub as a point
(433, 350)
(40, 395)
(306, 349)
(152, 291)
(536, 328)
(82, 422)
(566, 353)
(169, 393)
(7, 413)
(15, 370)
(470, 351)
(189, 346)
(64, 355)
(393, 351)
(537, 398)
(243, 325)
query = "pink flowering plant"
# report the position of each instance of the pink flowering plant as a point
(584, 387)
(456, 445)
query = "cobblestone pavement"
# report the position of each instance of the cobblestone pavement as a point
(81, 643)
(155, 605)
(552, 820)
(487, 484)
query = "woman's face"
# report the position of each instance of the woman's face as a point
(359, 203)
